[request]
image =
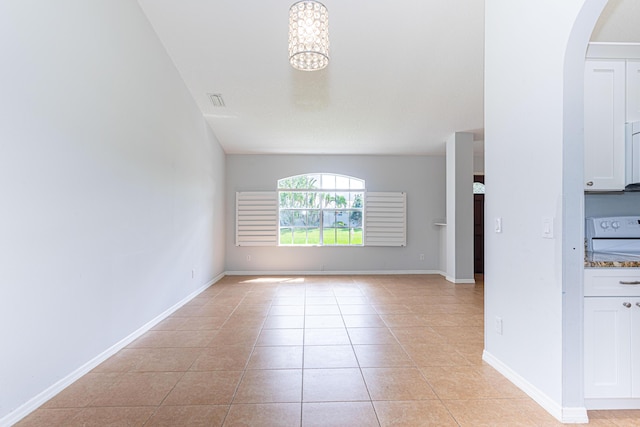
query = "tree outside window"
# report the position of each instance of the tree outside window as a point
(321, 209)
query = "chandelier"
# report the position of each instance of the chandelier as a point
(308, 35)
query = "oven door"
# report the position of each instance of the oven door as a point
(627, 247)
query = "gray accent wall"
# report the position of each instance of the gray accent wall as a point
(421, 177)
(612, 204)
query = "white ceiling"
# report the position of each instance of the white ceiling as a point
(404, 75)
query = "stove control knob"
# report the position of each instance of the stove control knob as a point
(615, 225)
(604, 224)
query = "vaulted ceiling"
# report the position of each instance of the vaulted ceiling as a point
(403, 76)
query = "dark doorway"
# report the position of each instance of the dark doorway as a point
(478, 223)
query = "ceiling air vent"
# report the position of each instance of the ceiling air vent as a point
(216, 99)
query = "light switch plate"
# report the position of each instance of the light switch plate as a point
(497, 225)
(547, 227)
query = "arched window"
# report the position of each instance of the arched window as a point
(478, 188)
(321, 209)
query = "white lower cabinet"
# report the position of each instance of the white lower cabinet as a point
(609, 359)
(635, 348)
(612, 338)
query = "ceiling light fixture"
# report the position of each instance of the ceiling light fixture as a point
(308, 35)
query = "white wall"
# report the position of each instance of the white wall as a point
(534, 130)
(460, 206)
(111, 185)
(421, 177)
(478, 164)
(524, 119)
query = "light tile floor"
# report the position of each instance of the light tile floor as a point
(311, 351)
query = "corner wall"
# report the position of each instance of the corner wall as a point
(460, 207)
(421, 177)
(524, 131)
(112, 188)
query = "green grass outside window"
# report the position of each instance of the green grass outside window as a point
(311, 236)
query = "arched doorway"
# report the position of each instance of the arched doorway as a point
(573, 206)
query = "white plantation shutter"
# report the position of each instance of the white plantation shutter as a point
(257, 218)
(385, 219)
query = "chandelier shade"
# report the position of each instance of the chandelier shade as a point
(308, 35)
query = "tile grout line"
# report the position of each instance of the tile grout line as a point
(304, 332)
(246, 297)
(194, 361)
(157, 407)
(244, 370)
(362, 375)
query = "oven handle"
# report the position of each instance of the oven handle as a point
(635, 282)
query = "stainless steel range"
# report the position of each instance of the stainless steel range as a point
(616, 235)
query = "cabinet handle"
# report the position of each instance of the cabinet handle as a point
(626, 304)
(635, 282)
(590, 184)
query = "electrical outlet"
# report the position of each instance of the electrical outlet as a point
(248, 257)
(421, 257)
(498, 325)
(193, 273)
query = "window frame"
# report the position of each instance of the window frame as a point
(351, 195)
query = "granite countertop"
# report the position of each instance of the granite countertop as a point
(599, 260)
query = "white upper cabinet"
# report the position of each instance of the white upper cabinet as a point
(604, 119)
(633, 90)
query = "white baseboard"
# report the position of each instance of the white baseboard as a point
(328, 273)
(574, 415)
(454, 280)
(564, 415)
(38, 400)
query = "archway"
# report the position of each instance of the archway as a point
(573, 207)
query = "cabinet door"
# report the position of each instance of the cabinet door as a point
(635, 347)
(604, 118)
(633, 90)
(607, 347)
